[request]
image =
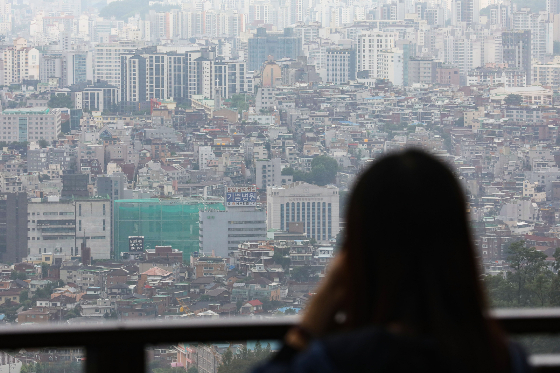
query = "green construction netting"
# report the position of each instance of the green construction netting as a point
(161, 222)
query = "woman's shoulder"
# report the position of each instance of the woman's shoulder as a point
(518, 358)
(376, 349)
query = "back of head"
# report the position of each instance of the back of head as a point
(411, 255)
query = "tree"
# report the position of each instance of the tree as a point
(192, 369)
(43, 143)
(9, 308)
(339, 240)
(324, 169)
(60, 101)
(245, 360)
(527, 264)
(513, 100)
(73, 313)
(302, 274)
(15, 275)
(290, 171)
(280, 259)
(239, 102)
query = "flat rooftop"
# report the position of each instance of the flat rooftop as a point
(28, 110)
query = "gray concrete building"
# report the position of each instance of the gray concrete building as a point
(222, 231)
(13, 227)
(59, 227)
(269, 173)
(316, 207)
(40, 159)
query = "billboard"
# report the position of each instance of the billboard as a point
(135, 244)
(241, 196)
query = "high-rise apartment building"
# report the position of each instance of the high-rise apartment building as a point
(30, 124)
(20, 62)
(467, 11)
(107, 61)
(370, 44)
(341, 65)
(75, 67)
(316, 207)
(269, 173)
(541, 28)
(278, 45)
(517, 51)
(422, 70)
(148, 74)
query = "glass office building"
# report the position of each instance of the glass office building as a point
(161, 222)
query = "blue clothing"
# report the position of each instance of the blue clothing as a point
(374, 350)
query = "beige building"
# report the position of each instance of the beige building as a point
(20, 62)
(315, 206)
(30, 124)
(547, 74)
(471, 117)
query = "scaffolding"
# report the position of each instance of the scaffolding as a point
(162, 222)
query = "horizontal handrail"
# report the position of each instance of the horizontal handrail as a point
(155, 332)
(110, 341)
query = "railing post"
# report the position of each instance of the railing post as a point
(115, 358)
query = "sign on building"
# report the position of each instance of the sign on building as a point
(135, 244)
(241, 196)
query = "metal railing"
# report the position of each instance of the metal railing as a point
(119, 347)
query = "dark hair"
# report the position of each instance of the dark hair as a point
(411, 259)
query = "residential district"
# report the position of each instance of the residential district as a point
(193, 159)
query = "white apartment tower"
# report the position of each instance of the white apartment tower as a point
(107, 61)
(370, 43)
(20, 62)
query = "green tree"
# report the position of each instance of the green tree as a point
(324, 169)
(245, 360)
(302, 274)
(9, 308)
(60, 101)
(15, 275)
(280, 259)
(527, 263)
(43, 143)
(239, 102)
(192, 369)
(513, 100)
(290, 171)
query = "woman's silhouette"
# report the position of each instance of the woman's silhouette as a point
(404, 293)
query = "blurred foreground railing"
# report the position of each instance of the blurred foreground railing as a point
(120, 347)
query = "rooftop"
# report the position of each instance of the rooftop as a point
(28, 110)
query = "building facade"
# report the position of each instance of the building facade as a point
(30, 124)
(316, 207)
(13, 227)
(61, 227)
